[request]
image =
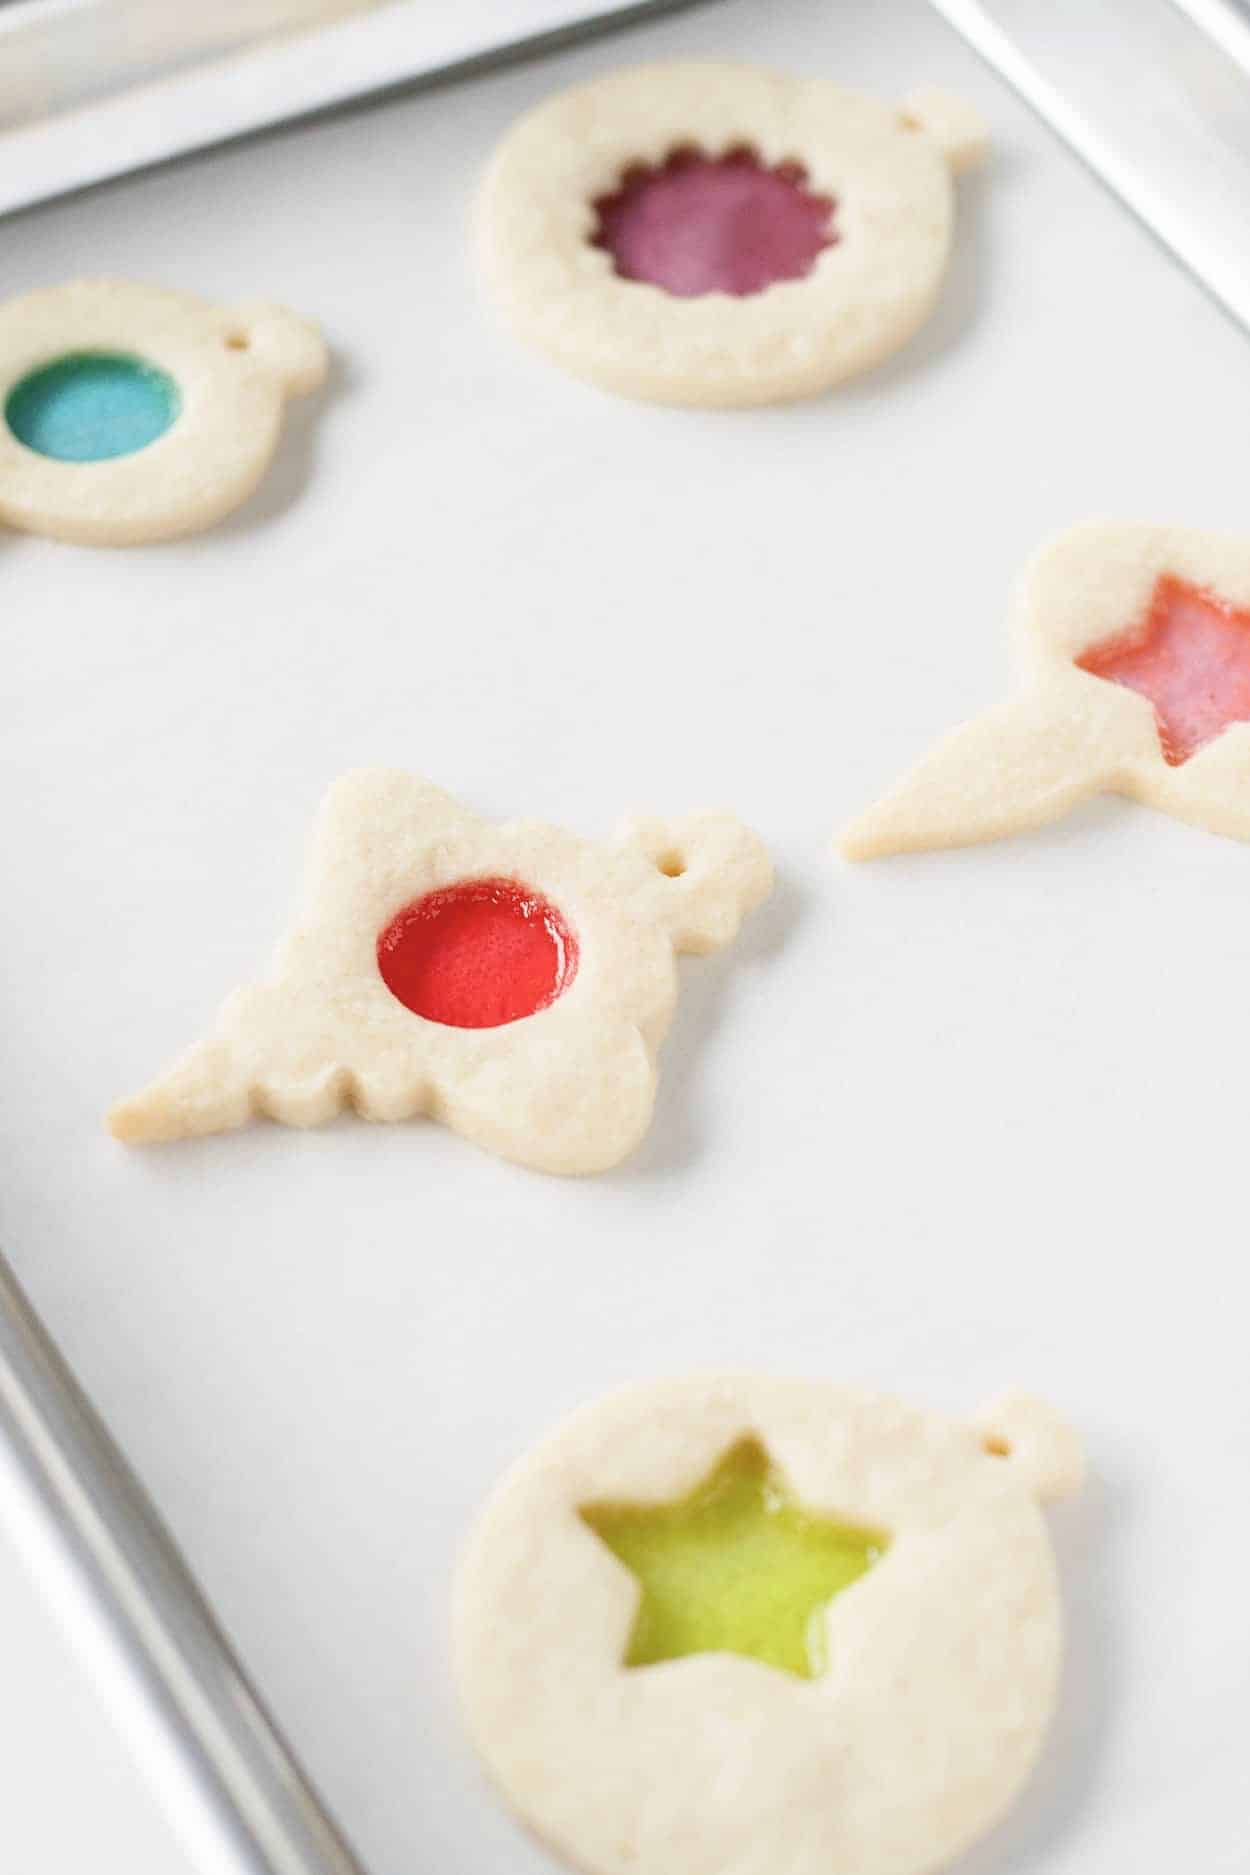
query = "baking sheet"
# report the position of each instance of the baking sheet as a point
(935, 1125)
(58, 1733)
(1154, 95)
(94, 88)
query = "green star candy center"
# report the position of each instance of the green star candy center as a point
(737, 1566)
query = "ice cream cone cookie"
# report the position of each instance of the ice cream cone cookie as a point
(1135, 651)
(134, 414)
(512, 980)
(716, 234)
(738, 1623)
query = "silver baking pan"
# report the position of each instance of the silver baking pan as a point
(228, 1779)
(1154, 95)
(94, 88)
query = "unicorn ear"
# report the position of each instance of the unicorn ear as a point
(292, 348)
(1028, 1435)
(710, 871)
(957, 129)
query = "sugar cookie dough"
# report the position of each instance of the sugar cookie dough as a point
(716, 234)
(935, 1663)
(1134, 647)
(511, 980)
(134, 414)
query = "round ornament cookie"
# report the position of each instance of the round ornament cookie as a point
(135, 414)
(717, 234)
(734, 1623)
(512, 980)
(1134, 647)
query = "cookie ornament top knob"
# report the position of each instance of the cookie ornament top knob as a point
(133, 414)
(717, 234)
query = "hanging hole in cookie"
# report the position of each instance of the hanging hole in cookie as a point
(238, 342)
(1190, 655)
(92, 406)
(478, 954)
(671, 863)
(735, 1566)
(697, 224)
(996, 1445)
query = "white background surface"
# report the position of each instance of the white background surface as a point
(934, 1124)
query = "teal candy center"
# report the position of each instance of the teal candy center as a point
(90, 406)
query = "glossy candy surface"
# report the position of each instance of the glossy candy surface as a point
(735, 1567)
(478, 954)
(92, 406)
(701, 224)
(1191, 657)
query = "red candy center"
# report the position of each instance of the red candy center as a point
(478, 954)
(723, 224)
(1191, 657)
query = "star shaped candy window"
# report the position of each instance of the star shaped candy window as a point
(736, 1566)
(943, 1665)
(1191, 656)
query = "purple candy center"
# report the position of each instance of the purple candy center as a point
(714, 224)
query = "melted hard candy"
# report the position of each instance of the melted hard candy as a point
(478, 954)
(1191, 656)
(737, 1566)
(702, 224)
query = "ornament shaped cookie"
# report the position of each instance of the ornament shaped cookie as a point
(717, 234)
(513, 981)
(734, 1623)
(134, 414)
(1134, 644)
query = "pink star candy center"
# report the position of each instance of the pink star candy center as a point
(714, 224)
(1191, 656)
